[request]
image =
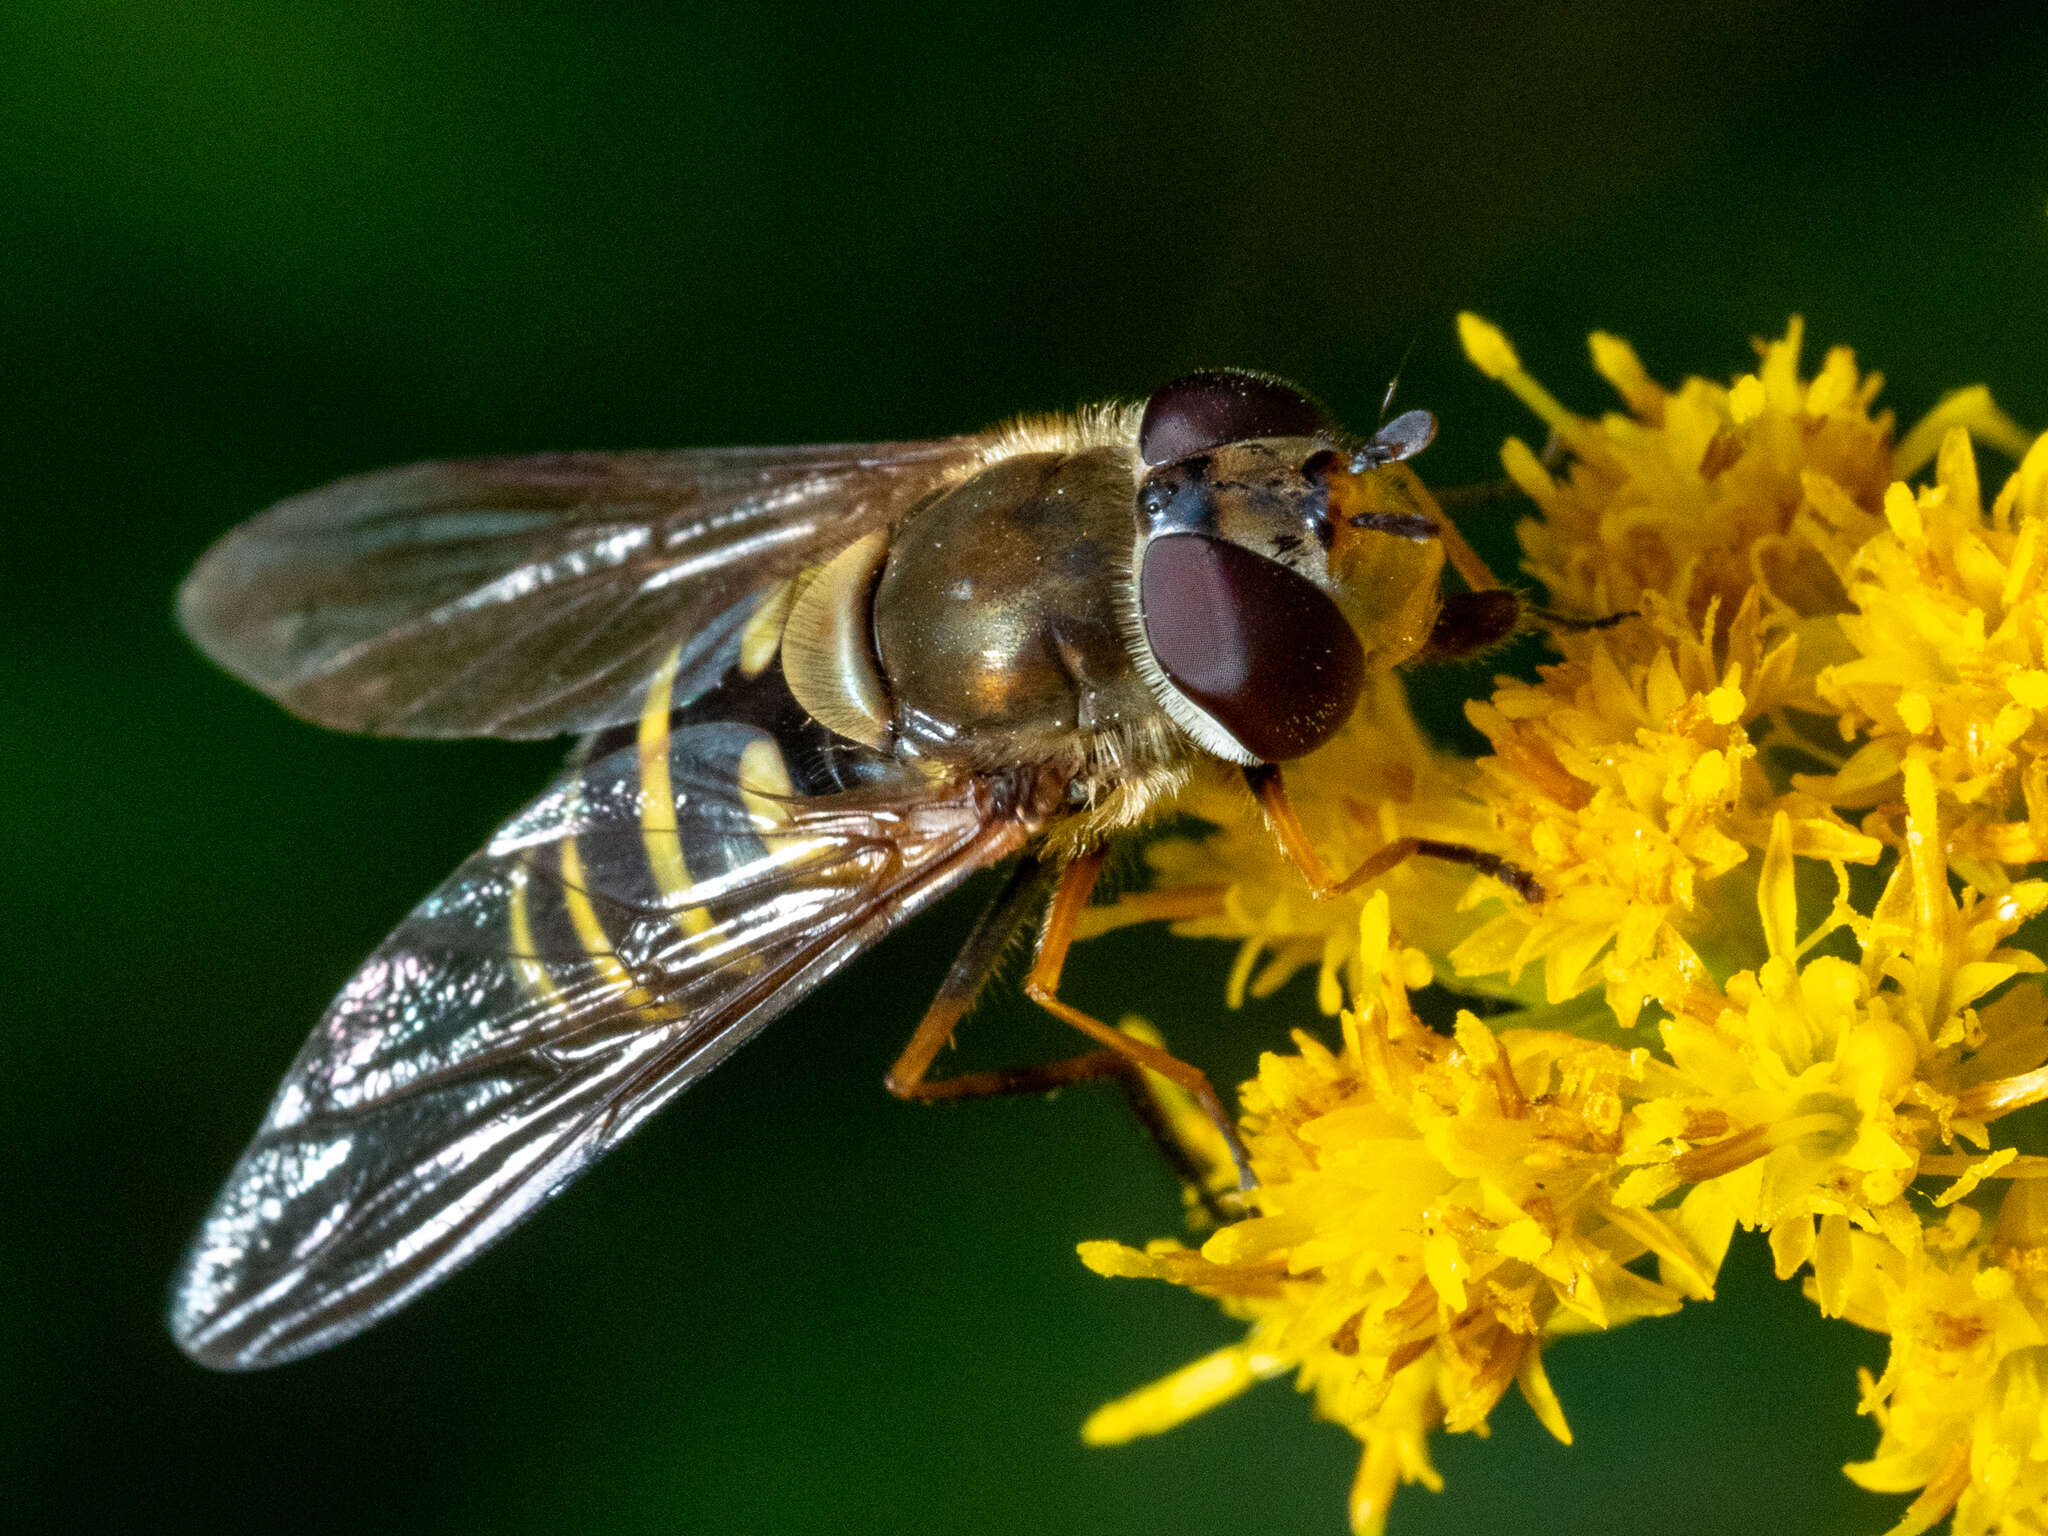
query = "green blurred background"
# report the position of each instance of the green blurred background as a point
(246, 247)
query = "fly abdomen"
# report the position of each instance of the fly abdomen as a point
(688, 816)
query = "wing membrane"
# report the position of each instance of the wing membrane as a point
(605, 950)
(526, 596)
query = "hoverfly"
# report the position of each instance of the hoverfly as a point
(815, 688)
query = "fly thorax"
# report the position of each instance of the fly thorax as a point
(995, 617)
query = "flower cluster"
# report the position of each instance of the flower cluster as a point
(1781, 817)
(1430, 1209)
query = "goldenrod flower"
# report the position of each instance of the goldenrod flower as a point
(1960, 1404)
(1429, 1211)
(1723, 1023)
(1949, 665)
(1629, 780)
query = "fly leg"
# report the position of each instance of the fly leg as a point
(1271, 793)
(1465, 559)
(1121, 1056)
(1042, 986)
(1471, 622)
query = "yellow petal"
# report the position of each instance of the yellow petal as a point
(2025, 494)
(1971, 408)
(1955, 468)
(1976, 1174)
(1443, 1260)
(1903, 513)
(1707, 1218)
(1118, 1262)
(1831, 1266)
(1777, 899)
(1541, 1396)
(1616, 362)
(1174, 1399)
(1791, 1245)
(1487, 346)
(1524, 1239)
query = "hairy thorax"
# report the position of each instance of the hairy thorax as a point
(997, 618)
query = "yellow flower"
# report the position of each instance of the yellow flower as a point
(1951, 655)
(1805, 1105)
(1787, 1104)
(1627, 779)
(1430, 1210)
(1705, 493)
(1826, 667)
(1962, 1405)
(1378, 781)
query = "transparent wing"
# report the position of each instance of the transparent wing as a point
(612, 944)
(526, 596)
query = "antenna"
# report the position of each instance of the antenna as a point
(1387, 404)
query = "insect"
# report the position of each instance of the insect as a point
(815, 688)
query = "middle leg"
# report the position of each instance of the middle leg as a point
(1042, 986)
(1123, 1060)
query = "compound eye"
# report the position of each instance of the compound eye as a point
(1262, 650)
(1205, 410)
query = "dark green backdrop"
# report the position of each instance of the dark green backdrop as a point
(248, 245)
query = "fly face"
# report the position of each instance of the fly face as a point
(1266, 589)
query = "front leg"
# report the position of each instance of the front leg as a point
(1270, 791)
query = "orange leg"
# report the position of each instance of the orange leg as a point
(1120, 1056)
(978, 958)
(1464, 558)
(1271, 792)
(1458, 498)
(1042, 986)
(910, 1077)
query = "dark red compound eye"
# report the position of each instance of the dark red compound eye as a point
(1263, 650)
(1205, 410)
